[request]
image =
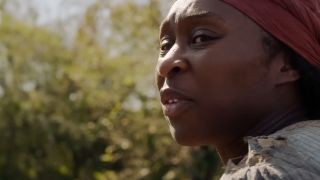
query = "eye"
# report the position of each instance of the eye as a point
(165, 45)
(201, 37)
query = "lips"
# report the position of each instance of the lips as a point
(175, 102)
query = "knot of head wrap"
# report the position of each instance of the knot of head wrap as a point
(294, 22)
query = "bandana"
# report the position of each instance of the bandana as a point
(294, 22)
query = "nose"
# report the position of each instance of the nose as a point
(172, 63)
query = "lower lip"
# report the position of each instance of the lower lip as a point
(176, 109)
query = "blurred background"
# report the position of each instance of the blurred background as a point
(78, 98)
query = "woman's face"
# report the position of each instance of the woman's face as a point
(211, 72)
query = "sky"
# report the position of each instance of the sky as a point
(52, 10)
(51, 13)
(47, 11)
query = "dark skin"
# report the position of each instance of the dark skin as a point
(215, 77)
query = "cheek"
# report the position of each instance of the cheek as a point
(223, 83)
(226, 75)
(229, 83)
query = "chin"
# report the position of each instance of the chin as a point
(187, 138)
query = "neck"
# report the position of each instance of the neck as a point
(237, 149)
(277, 121)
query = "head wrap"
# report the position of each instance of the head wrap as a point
(294, 22)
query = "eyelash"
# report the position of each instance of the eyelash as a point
(167, 43)
(203, 39)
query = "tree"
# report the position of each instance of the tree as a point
(89, 111)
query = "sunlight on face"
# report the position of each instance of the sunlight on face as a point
(204, 87)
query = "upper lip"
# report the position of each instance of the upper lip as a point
(172, 94)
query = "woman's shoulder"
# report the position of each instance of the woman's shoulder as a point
(309, 126)
(290, 153)
(303, 138)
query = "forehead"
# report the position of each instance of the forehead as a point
(182, 9)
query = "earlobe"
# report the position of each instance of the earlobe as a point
(286, 72)
(289, 73)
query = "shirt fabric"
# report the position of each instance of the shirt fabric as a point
(292, 153)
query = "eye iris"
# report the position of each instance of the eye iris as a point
(165, 46)
(202, 39)
(198, 39)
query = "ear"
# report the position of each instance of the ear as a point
(283, 71)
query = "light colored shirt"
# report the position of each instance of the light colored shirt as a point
(291, 153)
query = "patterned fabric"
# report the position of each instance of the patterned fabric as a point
(292, 153)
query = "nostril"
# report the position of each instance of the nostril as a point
(174, 71)
(171, 67)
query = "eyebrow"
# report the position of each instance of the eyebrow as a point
(200, 14)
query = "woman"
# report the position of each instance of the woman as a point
(243, 75)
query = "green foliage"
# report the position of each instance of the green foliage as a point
(90, 111)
